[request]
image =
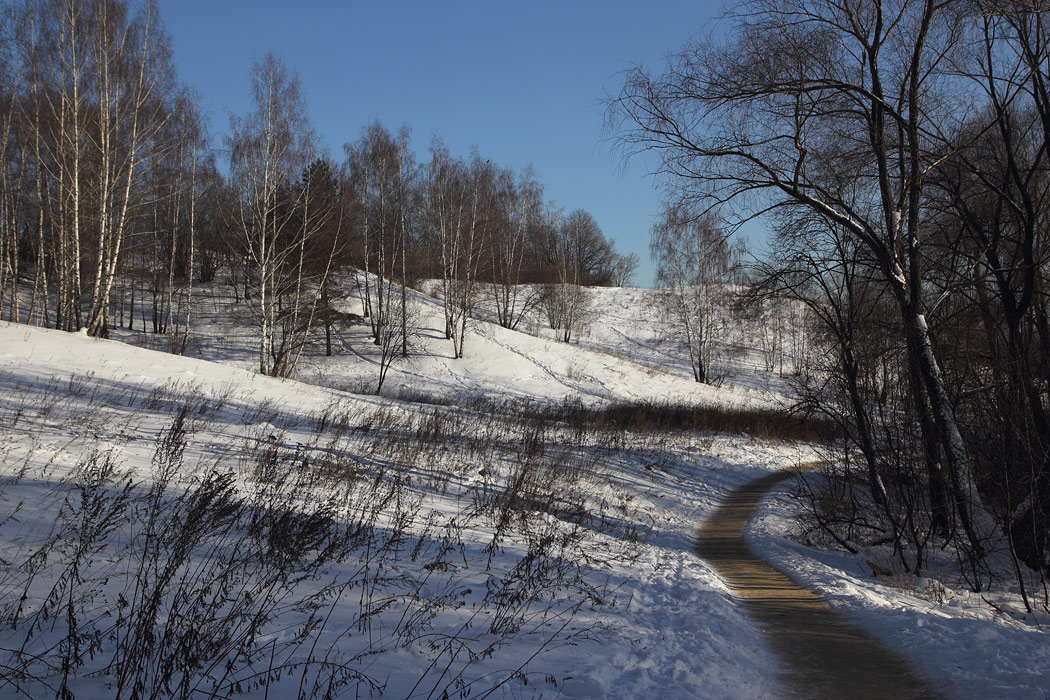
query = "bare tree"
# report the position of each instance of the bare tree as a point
(382, 174)
(832, 108)
(401, 327)
(268, 148)
(624, 270)
(447, 217)
(96, 86)
(177, 188)
(9, 255)
(463, 207)
(990, 204)
(480, 195)
(817, 264)
(305, 272)
(694, 263)
(133, 75)
(523, 201)
(576, 253)
(320, 217)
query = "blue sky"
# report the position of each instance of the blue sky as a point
(522, 81)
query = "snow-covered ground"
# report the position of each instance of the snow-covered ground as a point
(963, 645)
(620, 353)
(588, 589)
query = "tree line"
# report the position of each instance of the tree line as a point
(114, 204)
(900, 151)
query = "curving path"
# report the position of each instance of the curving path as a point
(823, 654)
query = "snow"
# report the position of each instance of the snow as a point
(666, 625)
(960, 643)
(620, 355)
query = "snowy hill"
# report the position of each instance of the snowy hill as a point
(175, 526)
(622, 354)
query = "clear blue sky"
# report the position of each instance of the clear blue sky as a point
(523, 81)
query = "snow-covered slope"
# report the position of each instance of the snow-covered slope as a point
(436, 599)
(621, 354)
(664, 627)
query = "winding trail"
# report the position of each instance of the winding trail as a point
(823, 654)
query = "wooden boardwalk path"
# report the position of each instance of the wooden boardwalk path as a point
(824, 655)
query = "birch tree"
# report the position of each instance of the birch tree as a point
(576, 252)
(94, 84)
(9, 255)
(694, 262)
(447, 217)
(523, 202)
(268, 149)
(461, 199)
(133, 79)
(380, 167)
